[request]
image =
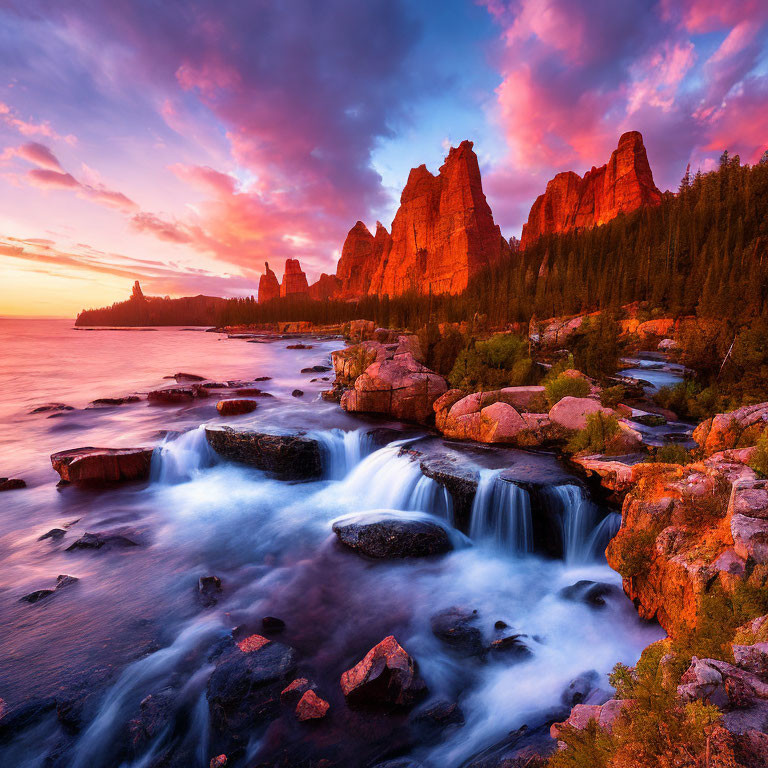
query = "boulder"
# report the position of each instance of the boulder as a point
(297, 393)
(294, 691)
(523, 398)
(735, 429)
(572, 412)
(236, 407)
(175, 395)
(288, 455)
(120, 538)
(106, 402)
(311, 707)
(603, 714)
(392, 539)
(401, 388)
(102, 465)
(39, 594)
(387, 676)
(244, 688)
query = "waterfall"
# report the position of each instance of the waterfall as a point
(501, 513)
(342, 451)
(181, 457)
(577, 517)
(604, 531)
(388, 480)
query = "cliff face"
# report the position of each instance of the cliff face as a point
(622, 185)
(327, 287)
(269, 288)
(294, 280)
(443, 232)
(356, 265)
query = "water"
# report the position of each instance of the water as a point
(501, 514)
(655, 369)
(133, 626)
(578, 517)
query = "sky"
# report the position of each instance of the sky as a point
(184, 143)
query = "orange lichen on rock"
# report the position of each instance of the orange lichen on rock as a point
(252, 643)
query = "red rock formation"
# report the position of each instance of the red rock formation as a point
(623, 185)
(109, 465)
(442, 235)
(356, 266)
(326, 287)
(269, 288)
(137, 293)
(294, 280)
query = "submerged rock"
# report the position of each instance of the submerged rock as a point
(590, 592)
(394, 539)
(102, 465)
(52, 407)
(289, 455)
(11, 483)
(297, 393)
(54, 533)
(292, 693)
(208, 589)
(174, 395)
(39, 594)
(117, 539)
(105, 402)
(510, 647)
(387, 676)
(455, 627)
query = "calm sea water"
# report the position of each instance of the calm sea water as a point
(132, 624)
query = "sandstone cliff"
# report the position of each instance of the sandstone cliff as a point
(294, 279)
(269, 288)
(570, 202)
(442, 235)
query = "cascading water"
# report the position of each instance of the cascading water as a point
(342, 450)
(578, 517)
(501, 514)
(386, 479)
(604, 531)
(182, 457)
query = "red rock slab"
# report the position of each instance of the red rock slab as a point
(311, 707)
(109, 465)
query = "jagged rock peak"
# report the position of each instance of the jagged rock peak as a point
(294, 279)
(269, 288)
(137, 293)
(624, 184)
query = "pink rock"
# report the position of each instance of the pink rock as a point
(571, 412)
(311, 707)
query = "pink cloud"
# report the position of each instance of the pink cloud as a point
(48, 179)
(205, 178)
(40, 155)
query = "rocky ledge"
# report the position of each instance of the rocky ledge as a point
(288, 455)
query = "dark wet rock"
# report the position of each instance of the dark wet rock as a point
(500, 625)
(583, 689)
(188, 377)
(523, 748)
(393, 539)
(400, 762)
(40, 594)
(106, 402)
(311, 707)
(54, 533)
(299, 346)
(37, 595)
(49, 407)
(235, 407)
(457, 478)
(263, 378)
(117, 539)
(155, 713)
(590, 592)
(208, 590)
(252, 392)
(649, 420)
(244, 688)
(332, 395)
(272, 624)
(434, 719)
(292, 693)
(11, 483)
(15, 719)
(175, 395)
(387, 676)
(316, 369)
(102, 465)
(455, 627)
(510, 647)
(297, 393)
(288, 455)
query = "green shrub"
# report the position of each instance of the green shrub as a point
(565, 386)
(759, 460)
(501, 361)
(635, 549)
(672, 453)
(595, 346)
(611, 397)
(440, 349)
(596, 437)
